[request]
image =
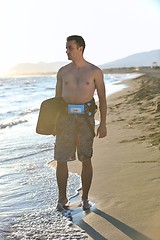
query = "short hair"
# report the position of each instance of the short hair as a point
(78, 39)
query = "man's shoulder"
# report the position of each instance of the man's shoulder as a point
(65, 67)
(94, 67)
(62, 71)
(96, 71)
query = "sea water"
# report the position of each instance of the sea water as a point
(28, 189)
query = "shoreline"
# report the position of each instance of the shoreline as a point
(125, 187)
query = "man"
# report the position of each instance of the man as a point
(76, 83)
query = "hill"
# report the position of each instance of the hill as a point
(36, 68)
(142, 59)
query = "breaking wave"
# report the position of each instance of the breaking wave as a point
(12, 123)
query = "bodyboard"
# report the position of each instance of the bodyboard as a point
(48, 115)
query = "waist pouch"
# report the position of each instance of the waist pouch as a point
(87, 109)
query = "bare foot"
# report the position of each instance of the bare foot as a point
(86, 204)
(64, 203)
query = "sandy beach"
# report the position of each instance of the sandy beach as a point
(126, 182)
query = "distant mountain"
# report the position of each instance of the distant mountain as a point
(36, 68)
(142, 59)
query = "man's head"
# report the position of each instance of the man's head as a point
(75, 45)
(78, 40)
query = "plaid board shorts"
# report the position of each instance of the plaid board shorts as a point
(74, 135)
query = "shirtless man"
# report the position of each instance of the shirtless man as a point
(76, 83)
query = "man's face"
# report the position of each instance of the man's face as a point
(72, 50)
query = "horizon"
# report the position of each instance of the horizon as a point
(68, 61)
(51, 68)
(33, 31)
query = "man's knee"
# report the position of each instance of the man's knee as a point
(62, 165)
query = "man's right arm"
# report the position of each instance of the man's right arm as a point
(59, 84)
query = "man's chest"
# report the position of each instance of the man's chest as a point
(78, 79)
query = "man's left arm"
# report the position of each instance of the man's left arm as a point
(101, 91)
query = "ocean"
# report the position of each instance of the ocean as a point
(28, 189)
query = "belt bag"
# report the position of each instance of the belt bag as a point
(49, 112)
(76, 108)
(87, 109)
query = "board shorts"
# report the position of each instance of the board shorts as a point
(75, 134)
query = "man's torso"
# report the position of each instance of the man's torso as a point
(78, 85)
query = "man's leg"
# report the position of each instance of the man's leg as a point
(86, 177)
(62, 177)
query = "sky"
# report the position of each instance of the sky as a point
(34, 31)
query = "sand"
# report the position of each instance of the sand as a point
(126, 181)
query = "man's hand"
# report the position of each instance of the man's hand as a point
(101, 131)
